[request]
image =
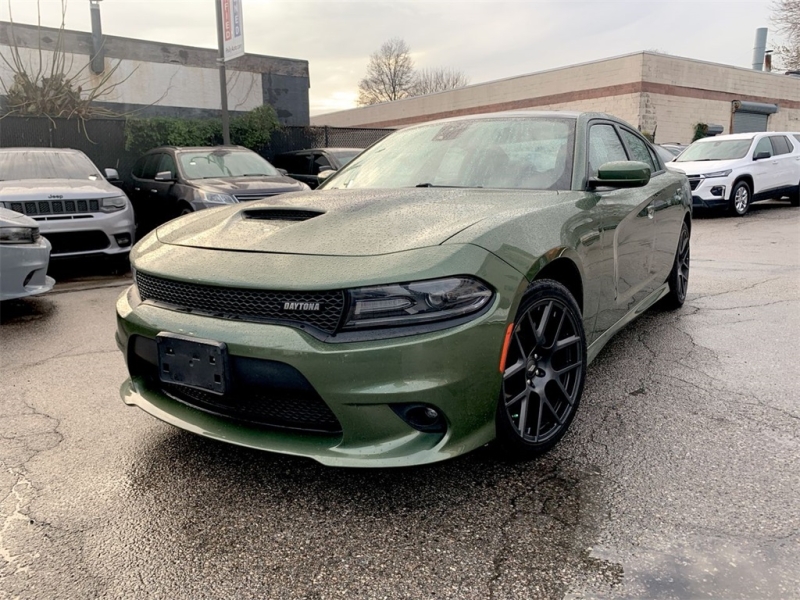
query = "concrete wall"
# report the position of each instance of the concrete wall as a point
(657, 93)
(168, 80)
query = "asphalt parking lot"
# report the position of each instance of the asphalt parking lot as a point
(679, 477)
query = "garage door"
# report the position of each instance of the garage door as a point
(751, 116)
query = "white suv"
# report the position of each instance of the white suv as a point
(731, 171)
(75, 207)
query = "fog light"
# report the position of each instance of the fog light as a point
(718, 190)
(123, 240)
(421, 417)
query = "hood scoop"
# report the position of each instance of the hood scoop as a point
(280, 214)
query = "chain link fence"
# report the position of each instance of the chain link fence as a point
(103, 140)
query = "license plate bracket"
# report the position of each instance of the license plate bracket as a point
(193, 362)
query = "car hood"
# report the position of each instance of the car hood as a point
(58, 189)
(10, 218)
(249, 185)
(703, 166)
(348, 222)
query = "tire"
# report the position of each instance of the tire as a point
(794, 199)
(741, 197)
(542, 386)
(184, 209)
(678, 279)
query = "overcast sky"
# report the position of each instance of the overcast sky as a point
(485, 39)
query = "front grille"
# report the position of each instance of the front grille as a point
(694, 182)
(54, 207)
(252, 197)
(272, 408)
(246, 304)
(77, 241)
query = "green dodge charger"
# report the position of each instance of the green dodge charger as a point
(446, 288)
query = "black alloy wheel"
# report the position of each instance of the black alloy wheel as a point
(741, 197)
(544, 372)
(794, 199)
(679, 276)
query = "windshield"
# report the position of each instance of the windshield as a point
(715, 150)
(506, 153)
(207, 164)
(345, 156)
(18, 165)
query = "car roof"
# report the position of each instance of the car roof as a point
(540, 114)
(43, 150)
(342, 149)
(196, 148)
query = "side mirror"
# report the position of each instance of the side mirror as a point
(165, 176)
(621, 174)
(323, 175)
(762, 155)
(112, 174)
(283, 172)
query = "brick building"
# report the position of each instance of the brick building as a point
(661, 94)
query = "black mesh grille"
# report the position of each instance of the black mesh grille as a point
(78, 241)
(53, 207)
(694, 182)
(263, 407)
(247, 304)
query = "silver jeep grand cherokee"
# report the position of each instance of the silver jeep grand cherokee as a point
(75, 206)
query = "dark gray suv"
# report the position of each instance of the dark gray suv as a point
(171, 181)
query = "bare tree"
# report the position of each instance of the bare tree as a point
(438, 79)
(48, 84)
(390, 74)
(786, 19)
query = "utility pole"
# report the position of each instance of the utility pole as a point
(223, 78)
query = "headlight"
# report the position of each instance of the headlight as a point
(19, 235)
(114, 204)
(400, 304)
(718, 174)
(217, 198)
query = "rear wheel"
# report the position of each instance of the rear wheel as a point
(544, 372)
(740, 199)
(679, 276)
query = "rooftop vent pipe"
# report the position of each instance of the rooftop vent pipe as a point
(760, 48)
(98, 53)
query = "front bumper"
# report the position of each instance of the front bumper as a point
(23, 270)
(712, 192)
(455, 370)
(89, 234)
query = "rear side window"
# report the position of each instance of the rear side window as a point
(604, 147)
(638, 149)
(780, 145)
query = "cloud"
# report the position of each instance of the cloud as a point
(486, 39)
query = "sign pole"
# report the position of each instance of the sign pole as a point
(223, 79)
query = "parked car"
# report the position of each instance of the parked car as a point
(306, 165)
(171, 181)
(732, 171)
(75, 207)
(665, 154)
(24, 256)
(674, 149)
(448, 286)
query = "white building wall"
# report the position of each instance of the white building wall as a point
(152, 83)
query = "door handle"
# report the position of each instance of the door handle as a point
(153, 191)
(136, 189)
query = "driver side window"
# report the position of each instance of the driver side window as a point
(763, 145)
(604, 147)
